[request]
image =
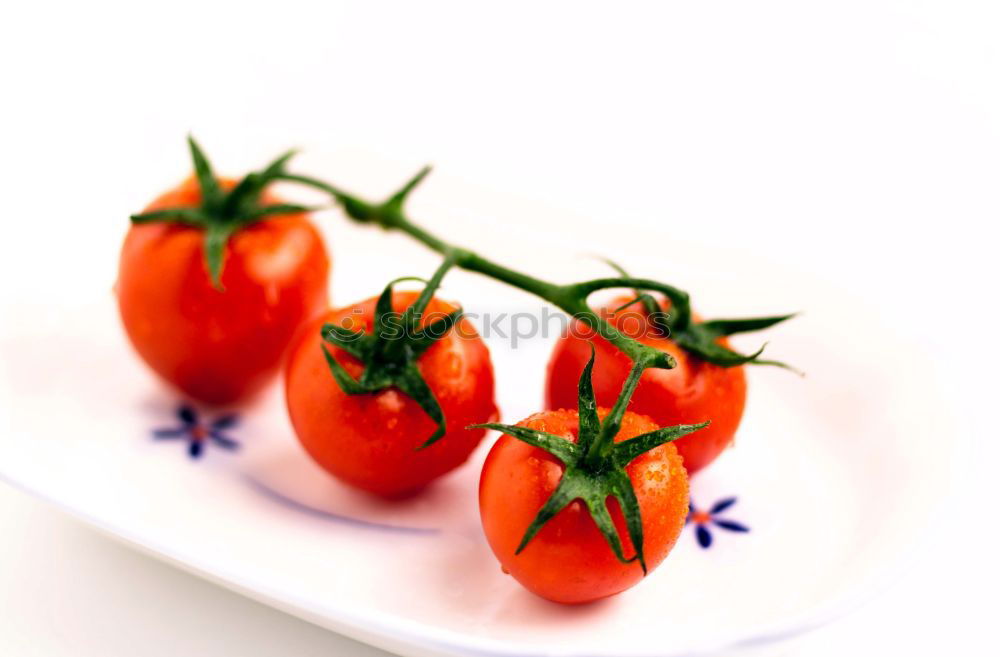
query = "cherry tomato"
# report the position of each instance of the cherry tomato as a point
(219, 346)
(692, 392)
(370, 440)
(569, 560)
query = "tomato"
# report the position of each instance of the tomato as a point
(370, 440)
(219, 345)
(569, 560)
(694, 391)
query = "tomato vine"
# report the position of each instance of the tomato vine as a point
(697, 338)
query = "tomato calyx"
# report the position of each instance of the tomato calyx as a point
(223, 212)
(595, 464)
(700, 338)
(390, 352)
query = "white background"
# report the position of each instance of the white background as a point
(858, 140)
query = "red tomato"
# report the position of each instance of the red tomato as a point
(369, 440)
(692, 392)
(569, 560)
(219, 346)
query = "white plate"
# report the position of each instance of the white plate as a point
(828, 471)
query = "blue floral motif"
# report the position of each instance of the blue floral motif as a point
(198, 433)
(704, 520)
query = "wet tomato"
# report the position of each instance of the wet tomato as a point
(569, 559)
(694, 391)
(219, 344)
(371, 440)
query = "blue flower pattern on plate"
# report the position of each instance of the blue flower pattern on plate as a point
(198, 433)
(703, 521)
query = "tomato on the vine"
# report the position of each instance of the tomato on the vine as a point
(693, 391)
(569, 559)
(385, 441)
(211, 295)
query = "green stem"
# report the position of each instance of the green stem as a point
(472, 262)
(680, 303)
(572, 299)
(599, 451)
(420, 305)
(697, 339)
(568, 298)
